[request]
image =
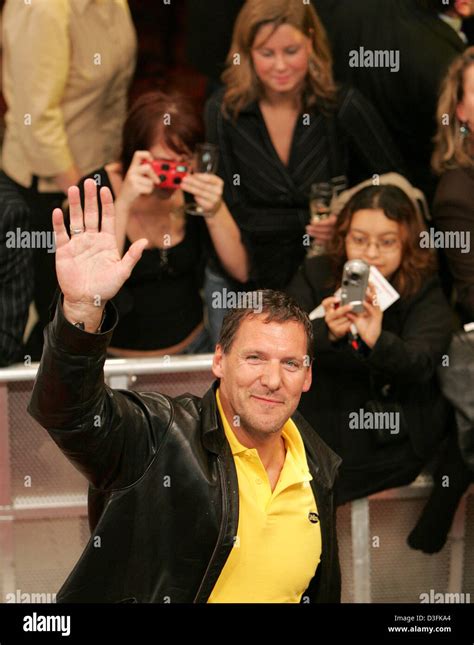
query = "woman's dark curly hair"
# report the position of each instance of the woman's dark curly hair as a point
(416, 264)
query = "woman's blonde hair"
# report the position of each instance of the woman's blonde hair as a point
(453, 149)
(239, 77)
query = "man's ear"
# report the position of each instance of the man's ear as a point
(308, 379)
(217, 362)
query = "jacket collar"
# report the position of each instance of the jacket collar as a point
(438, 26)
(322, 461)
(213, 435)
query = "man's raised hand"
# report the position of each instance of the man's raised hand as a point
(88, 265)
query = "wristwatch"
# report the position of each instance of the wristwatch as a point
(82, 326)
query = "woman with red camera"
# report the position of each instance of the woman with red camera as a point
(375, 398)
(160, 307)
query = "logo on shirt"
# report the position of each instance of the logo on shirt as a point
(313, 517)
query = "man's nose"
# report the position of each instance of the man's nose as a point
(271, 377)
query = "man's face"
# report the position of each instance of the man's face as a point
(263, 375)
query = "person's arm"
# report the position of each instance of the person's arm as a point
(207, 190)
(40, 57)
(413, 355)
(225, 236)
(371, 148)
(453, 211)
(109, 435)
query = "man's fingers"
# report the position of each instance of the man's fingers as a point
(133, 254)
(91, 210)
(61, 235)
(108, 211)
(75, 210)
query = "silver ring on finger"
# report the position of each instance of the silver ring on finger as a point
(76, 231)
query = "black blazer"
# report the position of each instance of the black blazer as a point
(270, 201)
(415, 333)
(406, 99)
(453, 210)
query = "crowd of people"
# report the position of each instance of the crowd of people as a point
(288, 112)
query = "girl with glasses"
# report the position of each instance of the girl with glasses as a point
(374, 396)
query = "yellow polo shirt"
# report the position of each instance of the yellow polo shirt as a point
(278, 543)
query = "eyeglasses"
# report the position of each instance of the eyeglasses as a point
(363, 242)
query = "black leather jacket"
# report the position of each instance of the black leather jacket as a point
(163, 473)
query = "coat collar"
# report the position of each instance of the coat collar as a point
(438, 26)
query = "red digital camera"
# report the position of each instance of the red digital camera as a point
(171, 173)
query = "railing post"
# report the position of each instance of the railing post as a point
(360, 522)
(7, 554)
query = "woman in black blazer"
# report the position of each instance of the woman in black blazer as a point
(391, 362)
(281, 125)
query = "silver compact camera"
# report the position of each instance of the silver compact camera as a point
(355, 279)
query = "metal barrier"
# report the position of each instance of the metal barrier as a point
(43, 504)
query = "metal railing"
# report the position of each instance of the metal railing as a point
(174, 375)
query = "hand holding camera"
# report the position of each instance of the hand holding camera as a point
(368, 323)
(359, 311)
(141, 179)
(336, 318)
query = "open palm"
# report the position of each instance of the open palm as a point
(88, 265)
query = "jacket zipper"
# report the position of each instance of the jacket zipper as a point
(221, 529)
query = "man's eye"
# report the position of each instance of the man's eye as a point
(253, 357)
(293, 364)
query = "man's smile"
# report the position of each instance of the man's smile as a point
(266, 400)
